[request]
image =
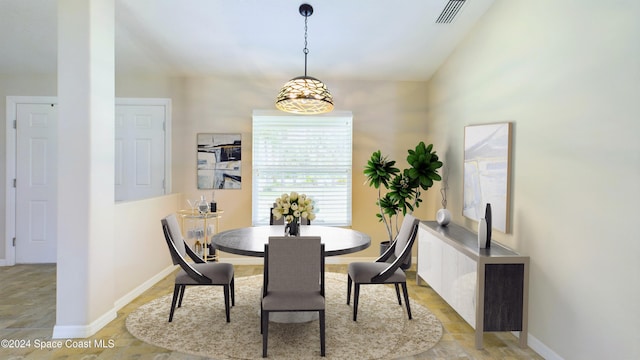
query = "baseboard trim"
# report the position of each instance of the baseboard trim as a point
(84, 331)
(127, 298)
(541, 349)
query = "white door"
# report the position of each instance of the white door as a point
(36, 176)
(140, 170)
(139, 152)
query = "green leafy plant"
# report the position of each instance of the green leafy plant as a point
(402, 189)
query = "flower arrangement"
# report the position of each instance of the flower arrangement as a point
(294, 206)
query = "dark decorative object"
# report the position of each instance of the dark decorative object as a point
(213, 206)
(292, 228)
(487, 217)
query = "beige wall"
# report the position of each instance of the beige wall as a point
(567, 74)
(390, 116)
(139, 245)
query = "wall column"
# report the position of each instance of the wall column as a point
(85, 275)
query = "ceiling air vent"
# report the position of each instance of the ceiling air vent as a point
(450, 11)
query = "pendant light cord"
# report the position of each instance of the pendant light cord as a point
(305, 50)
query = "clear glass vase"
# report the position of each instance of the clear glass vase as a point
(203, 205)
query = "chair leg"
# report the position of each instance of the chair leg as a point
(322, 328)
(176, 290)
(356, 295)
(265, 330)
(233, 292)
(406, 299)
(182, 289)
(226, 302)
(398, 293)
(349, 282)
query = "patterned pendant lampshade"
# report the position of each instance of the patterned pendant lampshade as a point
(305, 94)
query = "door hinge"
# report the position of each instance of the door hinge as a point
(14, 182)
(15, 124)
(14, 242)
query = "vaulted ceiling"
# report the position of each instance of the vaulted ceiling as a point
(347, 39)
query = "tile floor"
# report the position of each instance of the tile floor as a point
(27, 312)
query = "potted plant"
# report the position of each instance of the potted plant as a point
(400, 191)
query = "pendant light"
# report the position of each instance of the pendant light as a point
(305, 94)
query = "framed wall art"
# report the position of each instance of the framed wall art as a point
(487, 173)
(219, 161)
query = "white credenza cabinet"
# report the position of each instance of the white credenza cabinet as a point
(488, 288)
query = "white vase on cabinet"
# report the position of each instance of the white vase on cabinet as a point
(482, 233)
(443, 217)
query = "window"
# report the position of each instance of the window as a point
(307, 154)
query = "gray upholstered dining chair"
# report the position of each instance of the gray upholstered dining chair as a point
(293, 280)
(387, 269)
(197, 273)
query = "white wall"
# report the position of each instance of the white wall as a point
(567, 74)
(141, 259)
(85, 185)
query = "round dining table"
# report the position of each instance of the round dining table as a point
(250, 241)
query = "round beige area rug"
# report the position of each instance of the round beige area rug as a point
(382, 331)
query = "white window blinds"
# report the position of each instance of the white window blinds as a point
(307, 154)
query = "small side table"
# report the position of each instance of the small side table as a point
(205, 218)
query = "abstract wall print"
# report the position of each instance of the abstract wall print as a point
(219, 161)
(487, 172)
